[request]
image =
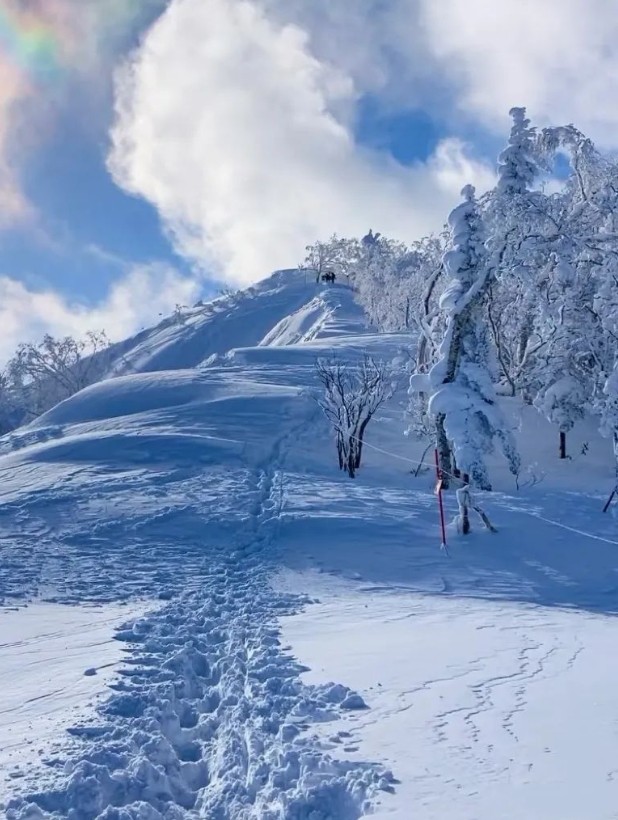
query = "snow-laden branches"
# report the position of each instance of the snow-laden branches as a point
(545, 293)
(41, 375)
(351, 396)
(334, 256)
(460, 384)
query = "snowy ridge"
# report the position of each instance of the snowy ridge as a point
(212, 492)
(329, 314)
(243, 319)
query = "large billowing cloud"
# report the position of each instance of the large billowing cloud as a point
(240, 135)
(134, 301)
(558, 57)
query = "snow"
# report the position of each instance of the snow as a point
(238, 320)
(273, 641)
(562, 402)
(61, 657)
(482, 709)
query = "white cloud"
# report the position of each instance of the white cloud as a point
(235, 117)
(557, 57)
(452, 168)
(133, 302)
(13, 204)
(234, 129)
(380, 44)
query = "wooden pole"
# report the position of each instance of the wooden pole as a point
(609, 500)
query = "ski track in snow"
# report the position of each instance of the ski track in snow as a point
(514, 724)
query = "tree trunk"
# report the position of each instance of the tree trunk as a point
(444, 451)
(422, 354)
(452, 361)
(484, 518)
(351, 469)
(465, 520)
(563, 445)
(456, 470)
(465, 513)
(422, 462)
(524, 339)
(481, 480)
(359, 443)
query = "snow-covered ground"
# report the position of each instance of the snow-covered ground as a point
(303, 649)
(55, 662)
(482, 708)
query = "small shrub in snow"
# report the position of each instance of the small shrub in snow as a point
(352, 395)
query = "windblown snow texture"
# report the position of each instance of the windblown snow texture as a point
(169, 485)
(201, 488)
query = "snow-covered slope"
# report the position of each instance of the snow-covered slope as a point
(282, 309)
(203, 490)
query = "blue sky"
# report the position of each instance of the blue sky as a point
(86, 231)
(409, 135)
(83, 212)
(246, 130)
(89, 229)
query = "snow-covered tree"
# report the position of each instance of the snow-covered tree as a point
(460, 384)
(605, 308)
(609, 412)
(323, 257)
(390, 279)
(350, 399)
(517, 165)
(41, 375)
(549, 305)
(516, 227)
(567, 370)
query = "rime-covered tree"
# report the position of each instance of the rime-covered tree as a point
(517, 164)
(516, 228)
(323, 257)
(609, 411)
(41, 375)
(567, 373)
(550, 301)
(460, 384)
(351, 397)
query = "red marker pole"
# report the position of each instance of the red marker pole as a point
(440, 501)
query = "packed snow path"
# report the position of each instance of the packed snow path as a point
(209, 716)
